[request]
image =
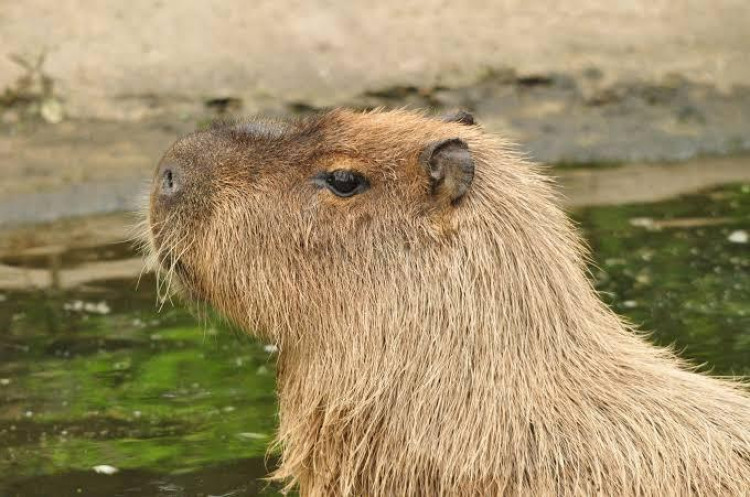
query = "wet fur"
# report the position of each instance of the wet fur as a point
(428, 349)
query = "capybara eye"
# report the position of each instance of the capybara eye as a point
(342, 182)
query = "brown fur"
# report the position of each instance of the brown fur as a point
(431, 349)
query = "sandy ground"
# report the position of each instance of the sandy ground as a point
(126, 60)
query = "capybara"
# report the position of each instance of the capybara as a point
(438, 333)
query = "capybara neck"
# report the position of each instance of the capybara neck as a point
(438, 332)
(488, 365)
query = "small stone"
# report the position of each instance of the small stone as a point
(90, 307)
(271, 348)
(642, 222)
(105, 469)
(630, 304)
(96, 308)
(76, 306)
(51, 111)
(5, 381)
(739, 236)
(253, 436)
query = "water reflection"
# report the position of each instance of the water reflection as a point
(152, 395)
(239, 478)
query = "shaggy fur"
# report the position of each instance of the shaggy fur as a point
(432, 349)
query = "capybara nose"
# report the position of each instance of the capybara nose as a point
(170, 180)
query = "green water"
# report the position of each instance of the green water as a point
(688, 285)
(179, 408)
(186, 409)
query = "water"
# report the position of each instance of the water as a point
(94, 375)
(98, 377)
(677, 269)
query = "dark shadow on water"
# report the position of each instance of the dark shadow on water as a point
(237, 479)
(70, 258)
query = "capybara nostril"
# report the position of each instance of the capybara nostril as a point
(171, 180)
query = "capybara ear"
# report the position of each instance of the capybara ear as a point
(460, 116)
(450, 167)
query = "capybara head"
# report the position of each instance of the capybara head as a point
(277, 222)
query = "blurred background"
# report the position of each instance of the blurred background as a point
(640, 109)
